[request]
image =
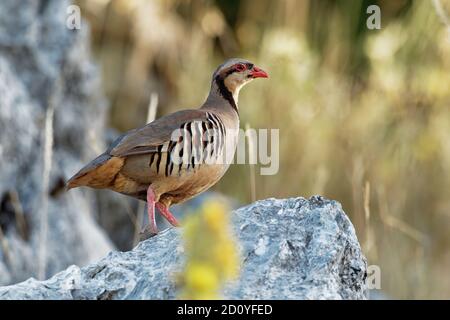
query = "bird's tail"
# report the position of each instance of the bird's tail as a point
(99, 173)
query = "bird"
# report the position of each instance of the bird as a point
(174, 158)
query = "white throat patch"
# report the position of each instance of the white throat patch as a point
(234, 82)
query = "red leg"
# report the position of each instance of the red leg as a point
(151, 210)
(167, 214)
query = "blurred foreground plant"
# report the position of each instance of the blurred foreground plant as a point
(211, 252)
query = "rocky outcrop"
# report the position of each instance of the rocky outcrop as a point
(290, 249)
(43, 63)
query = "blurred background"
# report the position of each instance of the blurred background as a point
(364, 115)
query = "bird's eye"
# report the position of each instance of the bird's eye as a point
(240, 67)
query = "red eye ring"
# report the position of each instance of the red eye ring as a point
(240, 67)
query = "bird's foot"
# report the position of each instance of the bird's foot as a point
(151, 229)
(147, 233)
(167, 214)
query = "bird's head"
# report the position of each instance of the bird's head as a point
(233, 74)
(237, 72)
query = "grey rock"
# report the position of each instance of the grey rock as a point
(377, 294)
(43, 62)
(290, 249)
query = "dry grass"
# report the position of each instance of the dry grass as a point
(47, 165)
(364, 116)
(138, 218)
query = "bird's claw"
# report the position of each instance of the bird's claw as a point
(147, 233)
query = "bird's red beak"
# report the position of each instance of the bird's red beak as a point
(258, 73)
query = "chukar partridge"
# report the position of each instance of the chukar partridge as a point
(174, 158)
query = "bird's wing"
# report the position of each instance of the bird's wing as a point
(147, 139)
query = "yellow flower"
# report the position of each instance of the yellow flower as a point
(211, 255)
(201, 277)
(215, 216)
(226, 256)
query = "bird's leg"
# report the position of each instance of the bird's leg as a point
(167, 214)
(151, 210)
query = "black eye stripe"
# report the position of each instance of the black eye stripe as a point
(229, 72)
(235, 68)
